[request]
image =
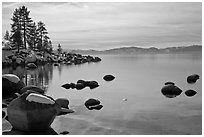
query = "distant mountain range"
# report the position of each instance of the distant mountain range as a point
(138, 50)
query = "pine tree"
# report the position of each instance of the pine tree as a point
(7, 36)
(25, 22)
(21, 21)
(59, 49)
(50, 47)
(42, 32)
(17, 38)
(45, 43)
(33, 37)
(16, 29)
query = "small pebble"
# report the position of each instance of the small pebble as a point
(125, 99)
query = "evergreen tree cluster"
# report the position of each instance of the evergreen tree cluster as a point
(25, 33)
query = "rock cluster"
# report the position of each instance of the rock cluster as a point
(81, 84)
(28, 109)
(171, 91)
(32, 59)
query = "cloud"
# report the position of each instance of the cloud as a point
(133, 22)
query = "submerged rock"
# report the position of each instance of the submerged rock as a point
(93, 84)
(108, 77)
(171, 91)
(64, 111)
(190, 93)
(192, 78)
(93, 104)
(97, 107)
(66, 86)
(64, 132)
(80, 86)
(32, 112)
(72, 85)
(63, 102)
(169, 83)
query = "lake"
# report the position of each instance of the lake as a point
(132, 102)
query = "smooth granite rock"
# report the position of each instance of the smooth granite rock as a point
(32, 112)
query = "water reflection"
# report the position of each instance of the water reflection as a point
(40, 76)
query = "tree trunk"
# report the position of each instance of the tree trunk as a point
(18, 47)
(24, 34)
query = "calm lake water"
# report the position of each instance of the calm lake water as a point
(139, 79)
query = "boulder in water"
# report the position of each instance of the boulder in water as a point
(19, 61)
(108, 77)
(31, 65)
(80, 86)
(31, 58)
(171, 91)
(72, 85)
(10, 85)
(64, 132)
(192, 78)
(63, 102)
(96, 59)
(93, 84)
(190, 92)
(11, 77)
(66, 86)
(93, 104)
(32, 112)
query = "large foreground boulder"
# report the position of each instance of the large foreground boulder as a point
(32, 112)
(171, 91)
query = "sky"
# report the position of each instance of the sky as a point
(106, 25)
